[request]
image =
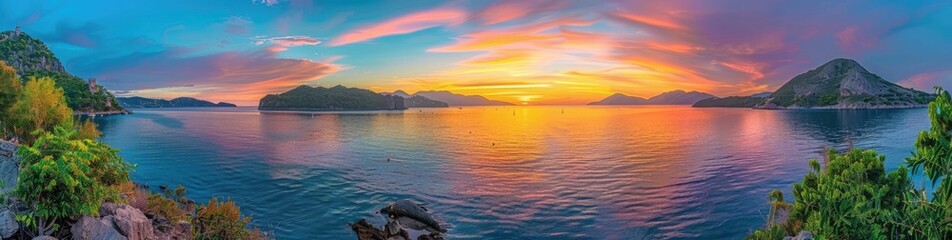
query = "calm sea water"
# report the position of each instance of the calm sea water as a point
(502, 173)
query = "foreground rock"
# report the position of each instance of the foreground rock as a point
(8, 223)
(133, 224)
(95, 228)
(9, 171)
(118, 222)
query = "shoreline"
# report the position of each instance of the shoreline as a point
(105, 113)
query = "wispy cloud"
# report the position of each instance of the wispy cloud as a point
(281, 44)
(404, 24)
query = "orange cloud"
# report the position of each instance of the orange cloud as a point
(405, 24)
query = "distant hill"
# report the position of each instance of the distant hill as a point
(32, 58)
(734, 101)
(423, 102)
(460, 100)
(141, 102)
(676, 97)
(843, 84)
(337, 98)
(621, 99)
(416, 101)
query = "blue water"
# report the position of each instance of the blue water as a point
(502, 173)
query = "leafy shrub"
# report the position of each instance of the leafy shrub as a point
(161, 206)
(40, 107)
(222, 221)
(87, 130)
(63, 177)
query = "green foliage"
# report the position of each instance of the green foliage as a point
(40, 107)
(773, 232)
(335, 98)
(10, 88)
(851, 198)
(78, 95)
(934, 147)
(222, 221)
(65, 177)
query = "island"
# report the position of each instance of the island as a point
(676, 97)
(454, 99)
(418, 101)
(734, 101)
(338, 98)
(843, 84)
(141, 102)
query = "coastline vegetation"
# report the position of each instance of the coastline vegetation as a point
(67, 173)
(852, 196)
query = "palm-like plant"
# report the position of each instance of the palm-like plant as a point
(933, 149)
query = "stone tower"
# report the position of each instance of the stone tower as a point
(92, 85)
(17, 32)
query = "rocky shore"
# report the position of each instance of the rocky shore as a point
(116, 221)
(106, 113)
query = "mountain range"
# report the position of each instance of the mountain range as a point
(838, 84)
(454, 99)
(676, 97)
(141, 102)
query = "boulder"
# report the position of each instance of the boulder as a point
(8, 223)
(108, 208)
(133, 224)
(88, 228)
(9, 171)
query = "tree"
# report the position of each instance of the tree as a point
(40, 107)
(10, 87)
(63, 177)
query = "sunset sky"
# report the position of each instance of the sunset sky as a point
(531, 51)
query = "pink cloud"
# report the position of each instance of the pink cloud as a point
(225, 76)
(404, 24)
(926, 81)
(850, 39)
(506, 10)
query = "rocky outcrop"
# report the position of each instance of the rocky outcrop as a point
(803, 235)
(118, 221)
(133, 224)
(9, 171)
(8, 223)
(88, 228)
(26, 53)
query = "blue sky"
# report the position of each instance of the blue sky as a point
(533, 51)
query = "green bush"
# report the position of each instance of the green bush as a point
(222, 221)
(853, 197)
(63, 177)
